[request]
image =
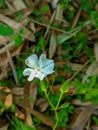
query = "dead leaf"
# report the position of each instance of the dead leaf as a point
(19, 114)
(77, 102)
(28, 118)
(18, 91)
(46, 120)
(5, 89)
(96, 51)
(53, 45)
(3, 56)
(13, 68)
(4, 127)
(11, 46)
(29, 3)
(9, 5)
(30, 94)
(17, 27)
(93, 36)
(74, 66)
(91, 70)
(37, 2)
(19, 5)
(54, 4)
(59, 15)
(8, 101)
(48, 26)
(42, 104)
(76, 18)
(4, 72)
(96, 7)
(4, 40)
(95, 127)
(81, 119)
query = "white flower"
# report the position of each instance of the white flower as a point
(38, 68)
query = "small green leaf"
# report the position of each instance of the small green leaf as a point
(22, 31)
(12, 108)
(31, 99)
(64, 105)
(1, 104)
(5, 30)
(18, 40)
(95, 119)
(44, 8)
(92, 81)
(1, 2)
(36, 12)
(62, 38)
(43, 86)
(19, 15)
(64, 87)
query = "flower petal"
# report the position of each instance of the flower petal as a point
(44, 62)
(29, 72)
(33, 73)
(48, 69)
(40, 75)
(32, 61)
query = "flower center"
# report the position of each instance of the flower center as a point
(38, 69)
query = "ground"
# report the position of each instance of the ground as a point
(58, 41)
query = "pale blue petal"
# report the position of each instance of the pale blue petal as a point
(29, 72)
(31, 77)
(44, 62)
(48, 69)
(33, 74)
(32, 61)
(40, 75)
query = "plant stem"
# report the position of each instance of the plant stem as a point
(58, 103)
(49, 100)
(54, 108)
(56, 116)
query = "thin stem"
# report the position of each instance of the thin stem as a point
(56, 116)
(59, 100)
(45, 25)
(49, 100)
(54, 108)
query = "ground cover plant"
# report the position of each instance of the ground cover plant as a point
(49, 64)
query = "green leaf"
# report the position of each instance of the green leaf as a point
(95, 119)
(36, 12)
(92, 81)
(12, 108)
(64, 87)
(1, 2)
(44, 8)
(43, 86)
(5, 30)
(18, 40)
(22, 31)
(19, 15)
(1, 104)
(64, 105)
(62, 38)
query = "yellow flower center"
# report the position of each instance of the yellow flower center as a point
(38, 69)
